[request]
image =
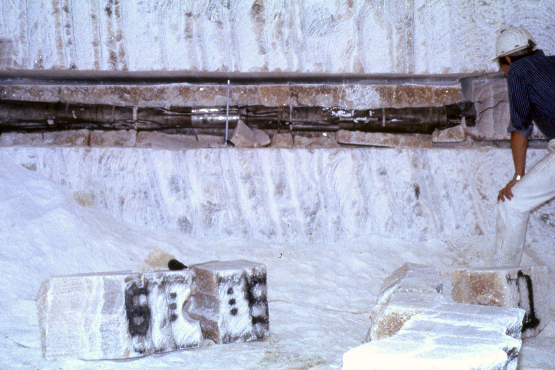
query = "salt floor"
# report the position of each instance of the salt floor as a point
(320, 295)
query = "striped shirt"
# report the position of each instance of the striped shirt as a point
(531, 83)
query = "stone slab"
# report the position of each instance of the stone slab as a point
(231, 303)
(522, 287)
(384, 139)
(116, 315)
(243, 136)
(66, 138)
(282, 141)
(401, 306)
(115, 138)
(417, 351)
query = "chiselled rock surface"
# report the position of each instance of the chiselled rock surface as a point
(116, 315)
(218, 193)
(327, 141)
(160, 140)
(66, 138)
(397, 36)
(231, 302)
(119, 138)
(282, 141)
(384, 139)
(524, 287)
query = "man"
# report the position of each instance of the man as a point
(531, 81)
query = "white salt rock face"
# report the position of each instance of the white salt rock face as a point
(231, 303)
(116, 315)
(524, 287)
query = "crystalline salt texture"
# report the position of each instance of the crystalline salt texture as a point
(419, 351)
(408, 278)
(387, 321)
(116, 315)
(231, 302)
(525, 287)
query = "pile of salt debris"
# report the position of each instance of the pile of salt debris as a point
(476, 323)
(129, 314)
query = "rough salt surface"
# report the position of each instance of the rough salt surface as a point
(292, 195)
(358, 36)
(45, 232)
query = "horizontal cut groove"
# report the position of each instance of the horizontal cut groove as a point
(32, 116)
(50, 77)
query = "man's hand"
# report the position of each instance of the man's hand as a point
(506, 191)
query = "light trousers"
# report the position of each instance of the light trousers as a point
(535, 188)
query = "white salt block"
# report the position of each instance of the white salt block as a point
(411, 277)
(400, 308)
(506, 320)
(231, 303)
(450, 340)
(116, 315)
(417, 352)
(522, 287)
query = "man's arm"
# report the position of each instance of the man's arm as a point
(519, 144)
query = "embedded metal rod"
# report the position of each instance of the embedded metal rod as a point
(227, 114)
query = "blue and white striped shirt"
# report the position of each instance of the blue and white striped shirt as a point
(531, 83)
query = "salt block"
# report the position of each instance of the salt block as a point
(400, 308)
(522, 287)
(410, 277)
(116, 315)
(419, 351)
(243, 136)
(231, 303)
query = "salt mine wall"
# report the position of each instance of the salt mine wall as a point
(291, 195)
(355, 36)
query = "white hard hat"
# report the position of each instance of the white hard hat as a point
(512, 40)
